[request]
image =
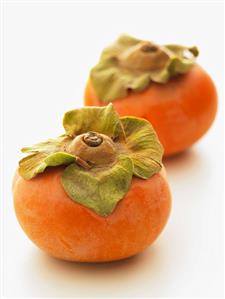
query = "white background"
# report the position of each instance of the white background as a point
(49, 47)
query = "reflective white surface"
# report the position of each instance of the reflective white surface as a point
(49, 48)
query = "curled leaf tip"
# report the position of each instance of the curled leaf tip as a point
(132, 64)
(194, 50)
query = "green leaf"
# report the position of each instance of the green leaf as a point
(36, 163)
(49, 146)
(127, 40)
(104, 120)
(182, 50)
(143, 145)
(100, 190)
(124, 66)
(178, 66)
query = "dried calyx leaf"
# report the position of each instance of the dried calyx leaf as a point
(105, 121)
(131, 64)
(102, 189)
(101, 152)
(44, 154)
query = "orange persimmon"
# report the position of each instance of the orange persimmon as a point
(69, 231)
(181, 109)
(96, 193)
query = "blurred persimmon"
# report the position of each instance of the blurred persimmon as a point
(162, 84)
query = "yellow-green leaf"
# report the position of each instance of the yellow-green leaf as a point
(143, 145)
(132, 64)
(36, 163)
(100, 190)
(104, 120)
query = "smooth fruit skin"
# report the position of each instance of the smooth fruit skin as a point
(181, 110)
(69, 231)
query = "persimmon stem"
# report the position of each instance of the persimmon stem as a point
(92, 139)
(144, 56)
(93, 149)
(149, 48)
(83, 163)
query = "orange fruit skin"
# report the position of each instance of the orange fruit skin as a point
(69, 231)
(181, 110)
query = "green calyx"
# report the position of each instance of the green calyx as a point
(101, 153)
(132, 64)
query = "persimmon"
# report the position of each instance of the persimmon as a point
(162, 84)
(97, 193)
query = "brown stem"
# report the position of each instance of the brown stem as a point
(145, 56)
(83, 163)
(93, 149)
(148, 48)
(92, 139)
